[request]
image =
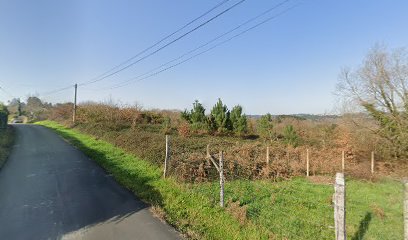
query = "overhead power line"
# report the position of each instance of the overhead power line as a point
(153, 72)
(164, 46)
(56, 90)
(6, 92)
(163, 39)
(104, 75)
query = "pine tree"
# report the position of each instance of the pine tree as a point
(238, 120)
(196, 116)
(221, 117)
(265, 126)
(290, 136)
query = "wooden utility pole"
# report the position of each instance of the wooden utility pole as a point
(307, 162)
(167, 157)
(339, 200)
(221, 166)
(75, 104)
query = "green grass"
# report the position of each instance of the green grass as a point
(295, 209)
(6, 142)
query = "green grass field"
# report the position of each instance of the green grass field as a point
(6, 142)
(293, 209)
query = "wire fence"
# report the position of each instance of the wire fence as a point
(299, 210)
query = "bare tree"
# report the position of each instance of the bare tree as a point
(379, 86)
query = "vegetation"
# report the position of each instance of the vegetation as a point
(220, 120)
(6, 142)
(33, 109)
(290, 136)
(294, 209)
(196, 117)
(3, 116)
(141, 132)
(238, 120)
(265, 126)
(379, 87)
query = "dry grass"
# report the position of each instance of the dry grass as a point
(142, 133)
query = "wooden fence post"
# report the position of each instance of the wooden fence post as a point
(167, 157)
(267, 155)
(342, 161)
(307, 162)
(221, 166)
(340, 207)
(406, 209)
(372, 162)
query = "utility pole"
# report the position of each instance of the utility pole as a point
(75, 104)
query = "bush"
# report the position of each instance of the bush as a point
(220, 118)
(265, 126)
(290, 136)
(238, 120)
(3, 116)
(196, 116)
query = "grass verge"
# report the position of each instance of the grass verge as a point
(295, 209)
(6, 142)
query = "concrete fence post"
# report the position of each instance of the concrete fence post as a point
(167, 156)
(372, 162)
(221, 171)
(307, 162)
(267, 155)
(343, 161)
(405, 209)
(340, 207)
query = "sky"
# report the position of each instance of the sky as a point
(287, 65)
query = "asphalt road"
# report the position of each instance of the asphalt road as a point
(51, 190)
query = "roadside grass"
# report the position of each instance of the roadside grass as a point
(6, 142)
(293, 209)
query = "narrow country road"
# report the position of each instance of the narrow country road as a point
(51, 190)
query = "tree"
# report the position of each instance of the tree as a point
(380, 87)
(15, 107)
(290, 136)
(196, 116)
(238, 120)
(220, 117)
(35, 109)
(265, 126)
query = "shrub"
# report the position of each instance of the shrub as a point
(265, 126)
(238, 120)
(290, 136)
(196, 116)
(3, 116)
(220, 117)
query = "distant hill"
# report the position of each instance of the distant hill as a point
(300, 116)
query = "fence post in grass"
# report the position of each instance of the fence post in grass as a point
(267, 155)
(372, 162)
(340, 207)
(167, 157)
(342, 161)
(405, 209)
(221, 166)
(307, 162)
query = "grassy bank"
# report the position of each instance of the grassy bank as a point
(6, 142)
(295, 209)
